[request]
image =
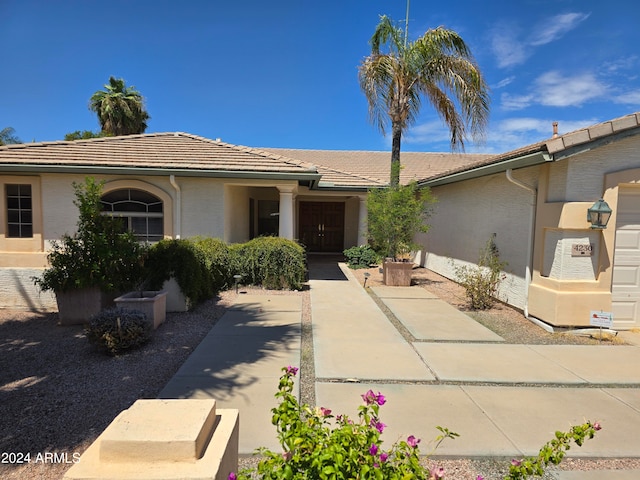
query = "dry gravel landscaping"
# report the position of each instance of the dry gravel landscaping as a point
(57, 394)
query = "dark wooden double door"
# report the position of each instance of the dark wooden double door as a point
(321, 226)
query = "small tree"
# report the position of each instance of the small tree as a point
(100, 254)
(396, 215)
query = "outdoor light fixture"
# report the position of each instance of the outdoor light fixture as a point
(237, 279)
(366, 277)
(598, 215)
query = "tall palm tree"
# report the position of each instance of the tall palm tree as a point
(8, 136)
(120, 109)
(437, 66)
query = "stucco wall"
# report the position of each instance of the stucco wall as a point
(351, 221)
(202, 207)
(17, 290)
(468, 214)
(580, 178)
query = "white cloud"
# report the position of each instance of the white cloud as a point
(515, 102)
(628, 98)
(555, 27)
(553, 89)
(626, 63)
(510, 50)
(556, 90)
(505, 81)
(429, 132)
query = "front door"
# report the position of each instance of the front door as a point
(625, 290)
(322, 226)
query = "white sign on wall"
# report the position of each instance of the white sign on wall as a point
(601, 319)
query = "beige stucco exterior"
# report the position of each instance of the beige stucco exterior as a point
(563, 288)
(192, 206)
(469, 213)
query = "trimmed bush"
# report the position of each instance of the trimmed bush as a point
(273, 262)
(361, 257)
(185, 262)
(217, 258)
(118, 330)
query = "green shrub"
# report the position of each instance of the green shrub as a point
(361, 257)
(481, 281)
(217, 258)
(99, 254)
(185, 262)
(273, 262)
(117, 330)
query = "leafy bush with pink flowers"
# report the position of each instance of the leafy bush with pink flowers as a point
(319, 445)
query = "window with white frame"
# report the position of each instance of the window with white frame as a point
(141, 211)
(19, 211)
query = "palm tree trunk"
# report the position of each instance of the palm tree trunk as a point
(396, 136)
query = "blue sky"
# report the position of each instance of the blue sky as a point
(283, 73)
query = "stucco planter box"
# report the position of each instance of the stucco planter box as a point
(176, 300)
(76, 307)
(152, 303)
(397, 274)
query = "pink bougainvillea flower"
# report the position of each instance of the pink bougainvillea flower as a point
(413, 441)
(292, 370)
(373, 449)
(436, 473)
(232, 476)
(516, 463)
(377, 425)
(479, 477)
(287, 456)
(383, 457)
(597, 426)
(325, 411)
(368, 397)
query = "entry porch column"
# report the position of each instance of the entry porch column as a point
(362, 220)
(285, 224)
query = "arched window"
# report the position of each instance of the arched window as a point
(141, 211)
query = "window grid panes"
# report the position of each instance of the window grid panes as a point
(141, 212)
(19, 211)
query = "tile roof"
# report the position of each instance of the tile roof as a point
(338, 168)
(152, 151)
(375, 167)
(558, 146)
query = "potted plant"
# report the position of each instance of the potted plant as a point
(395, 215)
(95, 264)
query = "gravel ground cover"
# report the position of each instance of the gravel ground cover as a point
(57, 394)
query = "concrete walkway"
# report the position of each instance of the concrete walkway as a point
(504, 400)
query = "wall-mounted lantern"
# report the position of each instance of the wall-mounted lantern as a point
(598, 215)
